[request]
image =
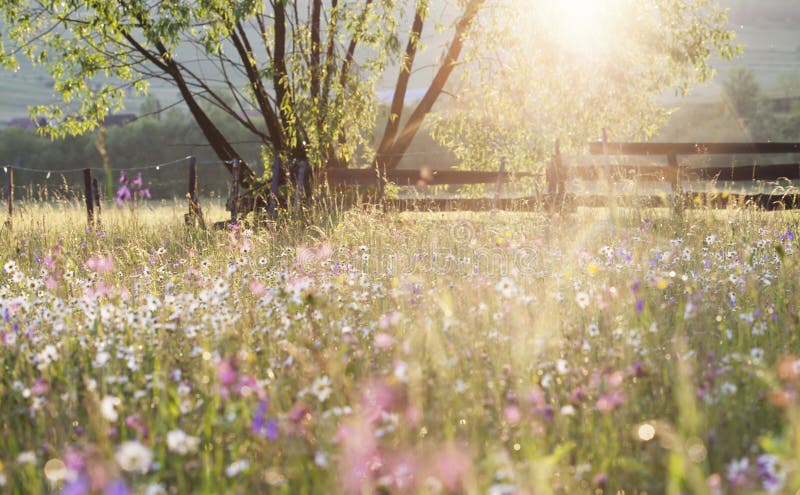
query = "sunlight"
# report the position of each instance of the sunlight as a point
(584, 27)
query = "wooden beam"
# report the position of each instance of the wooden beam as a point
(789, 171)
(639, 173)
(643, 149)
(427, 177)
(462, 204)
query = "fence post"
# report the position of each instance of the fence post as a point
(673, 176)
(235, 191)
(499, 184)
(10, 192)
(96, 193)
(612, 202)
(88, 196)
(555, 178)
(195, 215)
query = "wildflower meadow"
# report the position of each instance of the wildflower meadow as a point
(379, 352)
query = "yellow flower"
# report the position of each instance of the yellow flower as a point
(661, 284)
(592, 268)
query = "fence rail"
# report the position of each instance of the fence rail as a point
(557, 176)
(422, 177)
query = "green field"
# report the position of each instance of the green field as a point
(500, 353)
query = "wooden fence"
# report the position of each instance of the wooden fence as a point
(558, 179)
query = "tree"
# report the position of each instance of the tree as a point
(300, 77)
(742, 92)
(286, 72)
(543, 71)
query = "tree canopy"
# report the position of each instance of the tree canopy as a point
(300, 77)
(565, 70)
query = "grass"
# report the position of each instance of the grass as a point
(371, 352)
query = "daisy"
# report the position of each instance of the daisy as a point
(506, 287)
(134, 457)
(582, 299)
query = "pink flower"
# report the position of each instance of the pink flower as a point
(383, 341)
(376, 398)
(512, 414)
(400, 472)
(257, 288)
(226, 370)
(609, 401)
(359, 455)
(40, 387)
(100, 264)
(452, 466)
(391, 319)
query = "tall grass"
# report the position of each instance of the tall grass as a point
(503, 352)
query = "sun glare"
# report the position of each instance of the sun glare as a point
(583, 26)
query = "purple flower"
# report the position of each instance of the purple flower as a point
(117, 487)
(123, 194)
(77, 486)
(261, 426)
(639, 305)
(137, 181)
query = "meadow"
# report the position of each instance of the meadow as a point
(492, 353)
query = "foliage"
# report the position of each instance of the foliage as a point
(573, 72)
(276, 58)
(298, 78)
(747, 112)
(742, 92)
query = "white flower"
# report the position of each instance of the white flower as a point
(134, 457)
(321, 458)
(757, 354)
(322, 388)
(46, 356)
(727, 388)
(568, 410)
(737, 469)
(10, 266)
(181, 443)
(506, 287)
(155, 489)
(502, 489)
(236, 467)
(401, 371)
(101, 358)
(562, 366)
(108, 407)
(26, 457)
(582, 299)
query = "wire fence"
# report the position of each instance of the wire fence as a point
(156, 166)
